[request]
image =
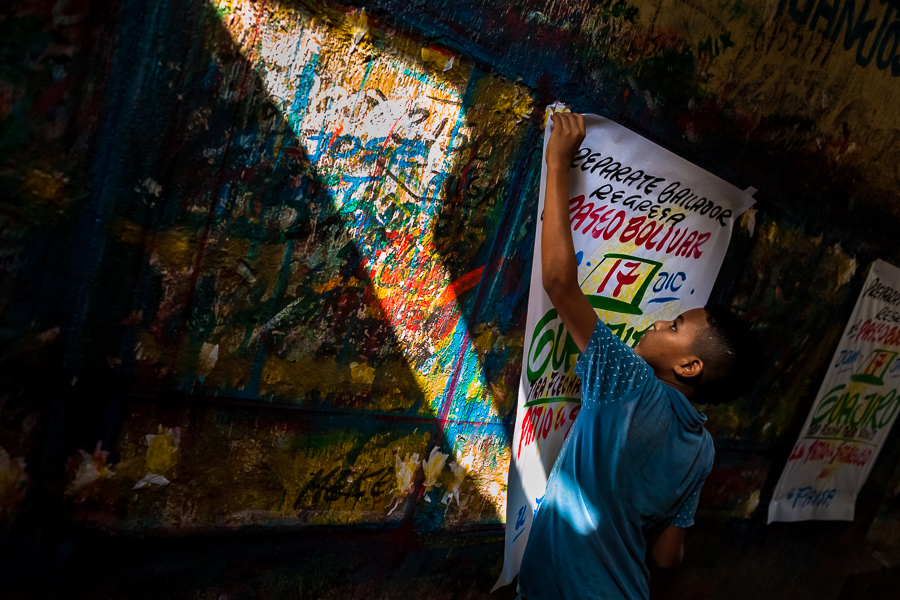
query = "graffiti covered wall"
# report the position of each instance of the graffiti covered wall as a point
(320, 224)
(264, 264)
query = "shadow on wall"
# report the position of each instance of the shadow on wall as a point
(298, 284)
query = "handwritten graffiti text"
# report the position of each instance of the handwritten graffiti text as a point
(873, 412)
(883, 293)
(551, 344)
(831, 452)
(643, 232)
(555, 385)
(807, 496)
(540, 420)
(847, 358)
(344, 484)
(675, 193)
(669, 281)
(873, 37)
(879, 333)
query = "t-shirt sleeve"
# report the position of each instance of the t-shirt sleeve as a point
(609, 368)
(685, 516)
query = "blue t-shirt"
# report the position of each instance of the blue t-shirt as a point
(633, 464)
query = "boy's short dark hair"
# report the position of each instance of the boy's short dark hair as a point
(726, 349)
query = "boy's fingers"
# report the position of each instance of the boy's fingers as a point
(568, 124)
(574, 123)
(558, 123)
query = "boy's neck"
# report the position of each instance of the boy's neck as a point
(670, 380)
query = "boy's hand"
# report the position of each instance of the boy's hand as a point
(565, 139)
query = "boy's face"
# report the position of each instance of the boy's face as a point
(668, 343)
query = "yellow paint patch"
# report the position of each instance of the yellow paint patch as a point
(127, 232)
(485, 340)
(328, 285)
(362, 373)
(162, 451)
(358, 25)
(50, 187)
(437, 58)
(174, 249)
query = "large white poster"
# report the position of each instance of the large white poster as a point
(650, 232)
(853, 412)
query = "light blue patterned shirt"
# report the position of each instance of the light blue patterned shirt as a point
(633, 464)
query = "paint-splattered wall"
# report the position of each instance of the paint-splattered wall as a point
(264, 269)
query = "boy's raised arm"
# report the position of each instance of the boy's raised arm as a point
(558, 266)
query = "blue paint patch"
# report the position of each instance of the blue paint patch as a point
(662, 300)
(578, 257)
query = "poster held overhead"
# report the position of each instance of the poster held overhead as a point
(650, 231)
(853, 413)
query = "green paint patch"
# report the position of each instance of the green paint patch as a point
(538, 401)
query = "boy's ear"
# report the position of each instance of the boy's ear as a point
(690, 366)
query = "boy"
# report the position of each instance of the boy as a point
(638, 454)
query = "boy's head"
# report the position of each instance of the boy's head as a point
(701, 353)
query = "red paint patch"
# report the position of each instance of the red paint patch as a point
(460, 286)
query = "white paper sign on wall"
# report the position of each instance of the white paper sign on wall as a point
(853, 411)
